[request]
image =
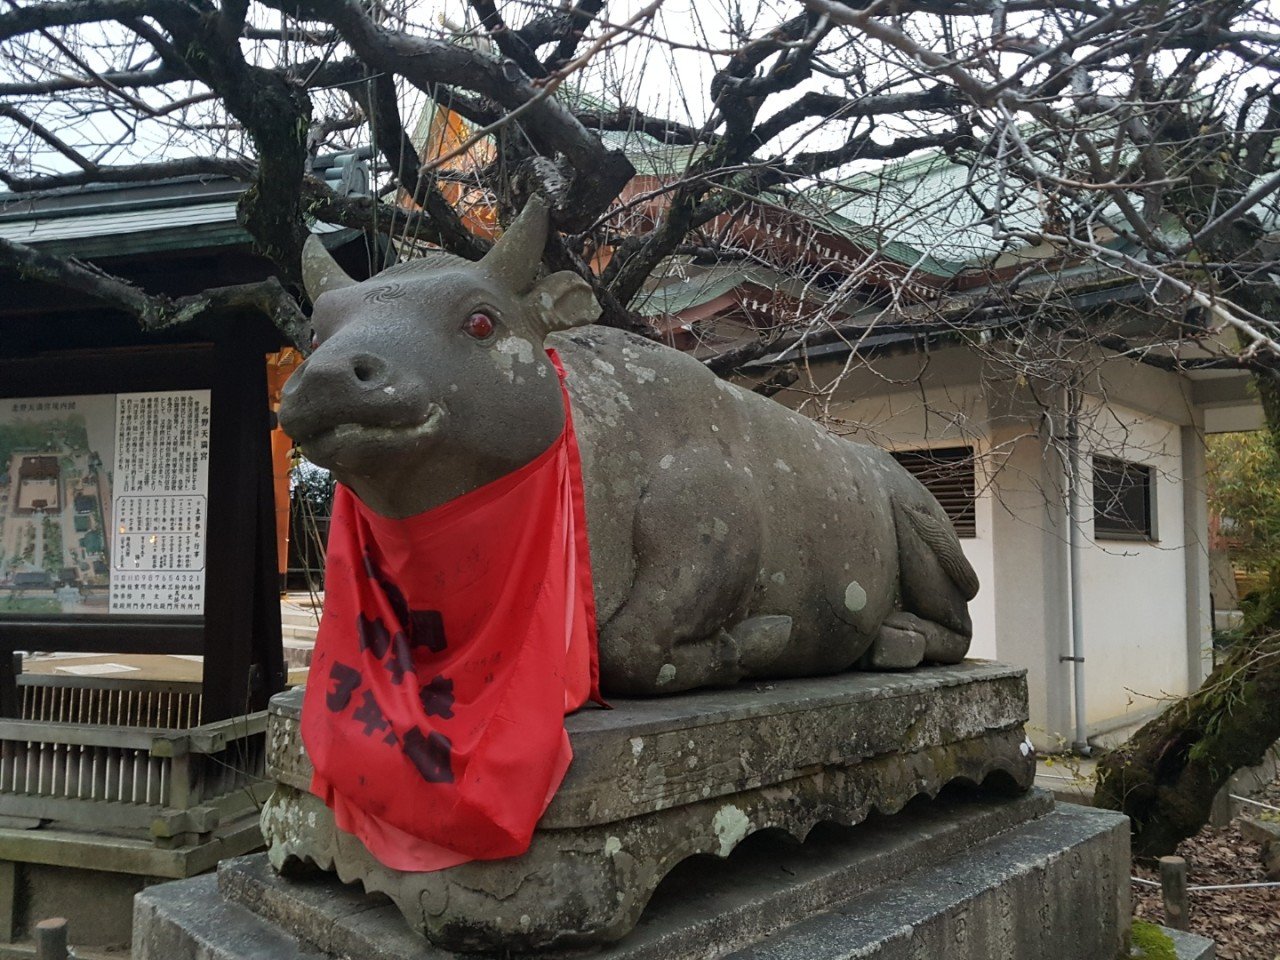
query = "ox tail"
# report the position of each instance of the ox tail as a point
(940, 537)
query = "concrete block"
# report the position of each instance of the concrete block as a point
(1190, 946)
(187, 920)
(1054, 889)
(700, 901)
(1259, 830)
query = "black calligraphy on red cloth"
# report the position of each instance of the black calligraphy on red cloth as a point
(393, 644)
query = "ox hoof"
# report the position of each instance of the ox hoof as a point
(906, 640)
(896, 647)
(760, 641)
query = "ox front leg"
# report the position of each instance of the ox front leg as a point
(683, 624)
(905, 641)
(722, 659)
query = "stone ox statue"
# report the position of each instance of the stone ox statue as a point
(730, 537)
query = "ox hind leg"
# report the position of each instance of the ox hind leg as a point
(684, 624)
(936, 585)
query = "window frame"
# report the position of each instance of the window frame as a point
(1112, 529)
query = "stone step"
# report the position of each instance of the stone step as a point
(1069, 779)
(26, 950)
(941, 879)
(770, 883)
(305, 620)
(189, 921)
(1054, 889)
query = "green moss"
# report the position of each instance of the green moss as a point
(1149, 942)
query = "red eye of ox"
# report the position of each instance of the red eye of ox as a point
(479, 325)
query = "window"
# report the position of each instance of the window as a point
(1122, 502)
(947, 473)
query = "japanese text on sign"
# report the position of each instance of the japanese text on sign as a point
(161, 495)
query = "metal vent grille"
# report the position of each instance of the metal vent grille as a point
(948, 474)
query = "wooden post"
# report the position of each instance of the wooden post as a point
(1173, 886)
(244, 656)
(8, 891)
(51, 939)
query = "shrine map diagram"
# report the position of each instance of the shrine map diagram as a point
(55, 503)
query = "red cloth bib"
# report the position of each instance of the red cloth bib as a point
(452, 645)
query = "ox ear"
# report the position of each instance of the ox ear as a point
(562, 300)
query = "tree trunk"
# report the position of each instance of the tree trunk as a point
(1166, 776)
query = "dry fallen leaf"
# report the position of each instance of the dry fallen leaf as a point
(1244, 923)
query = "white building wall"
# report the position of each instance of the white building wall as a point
(1032, 604)
(1135, 610)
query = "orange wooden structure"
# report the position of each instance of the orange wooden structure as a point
(279, 367)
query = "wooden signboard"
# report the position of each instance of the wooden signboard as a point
(136, 513)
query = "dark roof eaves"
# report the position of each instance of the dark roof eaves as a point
(117, 197)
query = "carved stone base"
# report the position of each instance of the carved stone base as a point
(655, 782)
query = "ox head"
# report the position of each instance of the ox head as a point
(430, 379)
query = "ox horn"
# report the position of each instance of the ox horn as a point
(320, 272)
(515, 258)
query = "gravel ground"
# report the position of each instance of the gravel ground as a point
(1245, 924)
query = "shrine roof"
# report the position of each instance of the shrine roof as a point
(124, 219)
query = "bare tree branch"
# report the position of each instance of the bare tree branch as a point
(131, 80)
(510, 43)
(20, 118)
(67, 12)
(599, 173)
(135, 173)
(441, 223)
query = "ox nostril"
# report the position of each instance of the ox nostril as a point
(368, 368)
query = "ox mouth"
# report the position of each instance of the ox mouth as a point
(343, 434)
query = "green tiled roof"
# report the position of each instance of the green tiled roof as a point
(119, 220)
(675, 293)
(649, 155)
(679, 285)
(870, 238)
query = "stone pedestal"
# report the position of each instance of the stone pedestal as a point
(911, 789)
(654, 782)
